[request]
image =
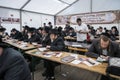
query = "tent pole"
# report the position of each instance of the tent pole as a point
(118, 21)
(64, 2)
(25, 4)
(27, 11)
(21, 14)
(38, 12)
(20, 20)
(91, 3)
(54, 20)
(0, 21)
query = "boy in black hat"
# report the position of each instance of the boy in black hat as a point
(57, 44)
(12, 64)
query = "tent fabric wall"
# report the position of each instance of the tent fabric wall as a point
(36, 20)
(7, 13)
(30, 19)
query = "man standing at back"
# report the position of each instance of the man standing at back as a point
(81, 30)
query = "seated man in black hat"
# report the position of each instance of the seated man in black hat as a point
(3, 34)
(32, 36)
(104, 47)
(45, 40)
(39, 32)
(15, 34)
(12, 64)
(71, 32)
(25, 32)
(57, 44)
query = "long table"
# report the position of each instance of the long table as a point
(101, 68)
(20, 45)
(83, 47)
(118, 37)
(118, 41)
(30, 50)
(70, 38)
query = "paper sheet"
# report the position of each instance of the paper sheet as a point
(91, 62)
(34, 44)
(87, 63)
(76, 62)
(22, 46)
(49, 54)
(59, 55)
(76, 45)
(74, 55)
(24, 43)
(37, 52)
(42, 49)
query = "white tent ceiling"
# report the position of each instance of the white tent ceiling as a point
(62, 7)
(105, 5)
(41, 6)
(13, 3)
(86, 6)
(45, 6)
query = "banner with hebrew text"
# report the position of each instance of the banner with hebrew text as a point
(90, 18)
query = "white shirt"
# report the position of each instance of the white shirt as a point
(98, 32)
(81, 36)
(104, 52)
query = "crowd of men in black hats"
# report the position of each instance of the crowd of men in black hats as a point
(45, 37)
(52, 39)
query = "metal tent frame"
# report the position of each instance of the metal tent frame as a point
(28, 1)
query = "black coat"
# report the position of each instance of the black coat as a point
(57, 45)
(113, 36)
(67, 28)
(13, 66)
(72, 34)
(45, 41)
(25, 36)
(34, 38)
(113, 50)
(17, 35)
